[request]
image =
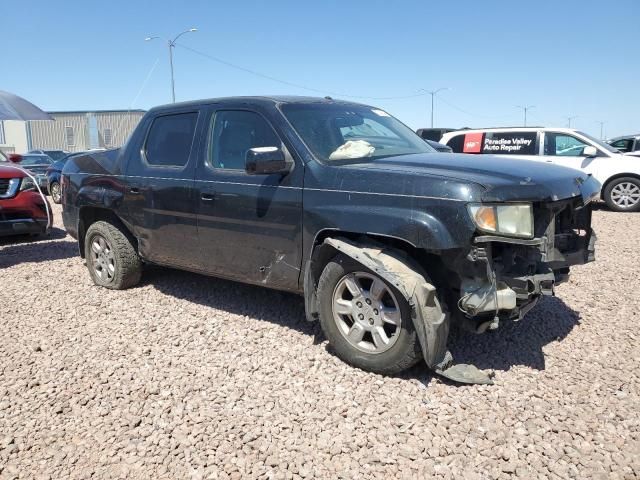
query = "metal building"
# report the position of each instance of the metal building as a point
(71, 131)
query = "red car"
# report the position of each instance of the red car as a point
(22, 208)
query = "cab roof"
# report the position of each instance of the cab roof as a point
(515, 129)
(261, 100)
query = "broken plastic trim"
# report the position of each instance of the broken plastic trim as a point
(430, 321)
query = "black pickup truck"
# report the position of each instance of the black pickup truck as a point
(389, 242)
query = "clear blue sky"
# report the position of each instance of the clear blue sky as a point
(565, 57)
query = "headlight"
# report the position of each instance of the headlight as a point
(514, 220)
(27, 184)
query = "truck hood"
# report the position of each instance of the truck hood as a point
(502, 179)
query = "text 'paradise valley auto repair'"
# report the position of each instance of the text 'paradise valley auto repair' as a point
(479, 142)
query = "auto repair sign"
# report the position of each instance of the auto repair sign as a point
(518, 143)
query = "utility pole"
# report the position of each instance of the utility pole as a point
(171, 44)
(525, 108)
(601, 129)
(433, 93)
(569, 120)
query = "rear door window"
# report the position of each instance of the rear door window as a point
(170, 139)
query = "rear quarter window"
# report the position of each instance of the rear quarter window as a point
(456, 143)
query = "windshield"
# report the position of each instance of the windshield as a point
(56, 154)
(600, 143)
(29, 160)
(335, 132)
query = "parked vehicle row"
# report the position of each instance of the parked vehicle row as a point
(619, 174)
(389, 241)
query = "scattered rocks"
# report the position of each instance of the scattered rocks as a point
(187, 376)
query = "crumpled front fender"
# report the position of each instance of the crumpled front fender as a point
(429, 318)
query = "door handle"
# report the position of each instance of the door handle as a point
(134, 190)
(207, 197)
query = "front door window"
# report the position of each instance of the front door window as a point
(563, 145)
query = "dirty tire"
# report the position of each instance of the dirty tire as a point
(609, 192)
(128, 266)
(406, 350)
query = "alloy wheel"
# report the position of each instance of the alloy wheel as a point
(104, 262)
(366, 312)
(625, 194)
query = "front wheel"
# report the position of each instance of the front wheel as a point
(366, 320)
(623, 194)
(111, 257)
(55, 192)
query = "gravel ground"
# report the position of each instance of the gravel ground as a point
(193, 377)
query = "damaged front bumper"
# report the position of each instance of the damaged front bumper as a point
(503, 278)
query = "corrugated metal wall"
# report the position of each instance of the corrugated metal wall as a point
(53, 135)
(119, 124)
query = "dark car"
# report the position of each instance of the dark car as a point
(433, 134)
(439, 147)
(55, 155)
(389, 241)
(35, 163)
(53, 175)
(22, 209)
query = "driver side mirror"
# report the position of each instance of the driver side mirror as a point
(590, 151)
(267, 161)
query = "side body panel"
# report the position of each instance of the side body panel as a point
(249, 226)
(161, 203)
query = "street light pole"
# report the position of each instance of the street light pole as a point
(173, 82)
(171, 44)
(525, 108)
(601, 129)
(569, 120)
(433, 94)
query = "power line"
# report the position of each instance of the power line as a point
(291, 84)
(144, 83)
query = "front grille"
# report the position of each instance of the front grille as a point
(4, 186)
(14, 214)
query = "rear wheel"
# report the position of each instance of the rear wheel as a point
(623, 194)
(55, 192)
(366, 320)
(111, 257)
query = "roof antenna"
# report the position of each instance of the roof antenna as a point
(328, 98)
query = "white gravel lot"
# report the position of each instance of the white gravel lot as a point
(193, 377)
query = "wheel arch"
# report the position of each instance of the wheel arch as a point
(321, 253)
(616, 177)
